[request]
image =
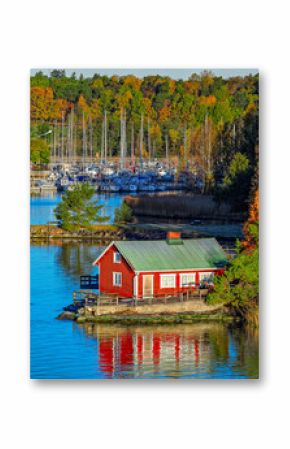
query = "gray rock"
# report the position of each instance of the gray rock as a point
(66, 316)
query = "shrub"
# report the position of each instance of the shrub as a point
(123, 214)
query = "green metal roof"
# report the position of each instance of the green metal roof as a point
(158, 255)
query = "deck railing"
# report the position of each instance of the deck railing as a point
(89, 282)
(88, 297)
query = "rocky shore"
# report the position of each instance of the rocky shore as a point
(188, 312)
(148, 319)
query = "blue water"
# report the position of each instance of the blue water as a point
(65, 350)
(42, 206)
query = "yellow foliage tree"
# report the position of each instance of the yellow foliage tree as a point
(83, 105)
(95, 109)
(132, 81)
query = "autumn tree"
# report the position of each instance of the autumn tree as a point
(251, 228)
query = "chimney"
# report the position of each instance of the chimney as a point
(174, 238)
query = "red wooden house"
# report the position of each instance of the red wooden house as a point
(140, 269)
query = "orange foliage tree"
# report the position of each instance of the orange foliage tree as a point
(41, 103)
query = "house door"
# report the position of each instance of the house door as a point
(147, 285)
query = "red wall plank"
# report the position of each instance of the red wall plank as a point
(107, 266)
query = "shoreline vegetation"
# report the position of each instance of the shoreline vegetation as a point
(186, 206)
(148, 319)
(107, 233)
(155, 319)
(200, 215)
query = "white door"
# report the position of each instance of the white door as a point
(147, 285)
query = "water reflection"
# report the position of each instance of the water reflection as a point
(77, 259)
(202, 350)
(73, 257)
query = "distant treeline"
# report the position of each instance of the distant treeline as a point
(207, 121)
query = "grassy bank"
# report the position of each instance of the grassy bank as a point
(97, 232)
(150, 319)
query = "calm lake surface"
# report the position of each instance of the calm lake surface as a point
(65, 350)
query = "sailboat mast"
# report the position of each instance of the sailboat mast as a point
(132, 141)
(102, 141)
(91, 138)
(141, 140)
(124, 140)
(54, 140)
(75, 144)
(121, 139)
(84, 141)
(209, 149)
(72, 135)
(185, 147)
(105, 138)
(68, 139)
(62, 136)
(167, 149)
(149, 142)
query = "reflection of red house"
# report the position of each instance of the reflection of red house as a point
(141, 351)
(151, 268)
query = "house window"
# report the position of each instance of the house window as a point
(167, 281)
(187, 279)
(117, 279)
(206, 277)
(117, 257)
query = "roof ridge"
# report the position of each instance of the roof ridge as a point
(163, 240)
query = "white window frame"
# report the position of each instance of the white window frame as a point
(204, 274)
(164, 276)
(190, 283)
(116, 255)
(117, 274)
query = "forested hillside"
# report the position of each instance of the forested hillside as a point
(206, 122)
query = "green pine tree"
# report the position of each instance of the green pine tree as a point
(77, 209)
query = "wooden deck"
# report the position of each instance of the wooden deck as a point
(82, 298)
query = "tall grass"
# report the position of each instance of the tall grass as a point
(169, 205)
